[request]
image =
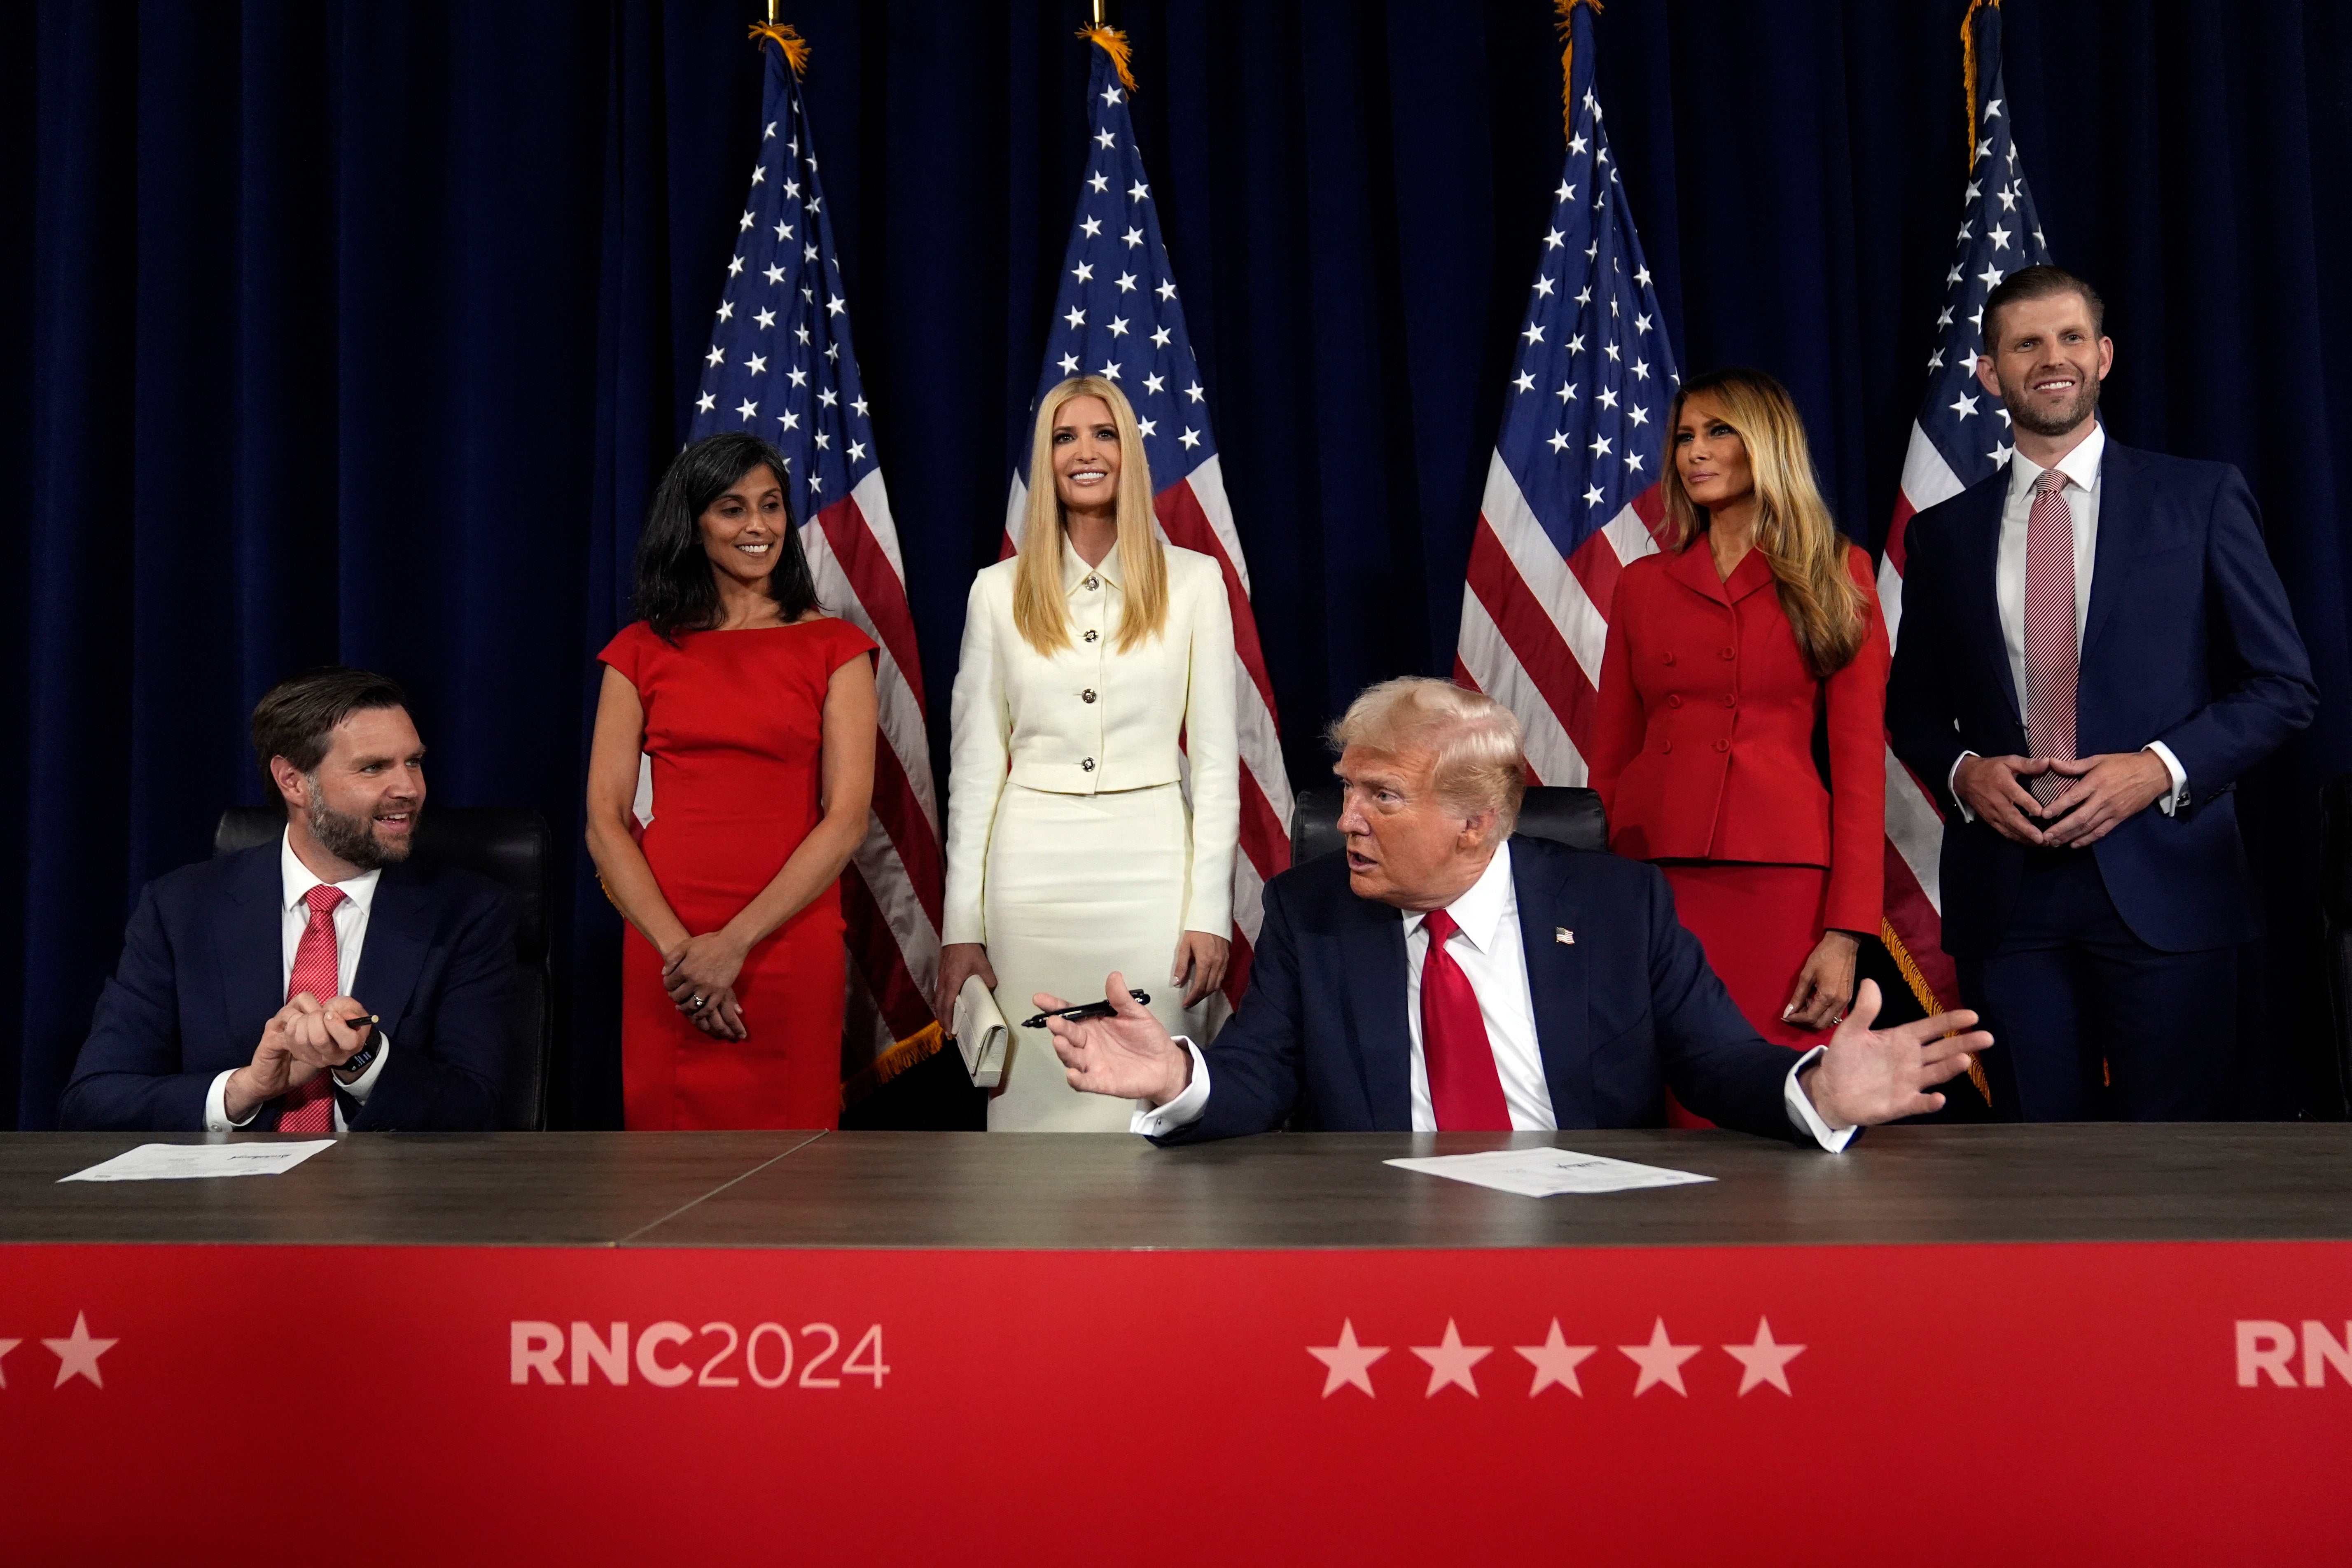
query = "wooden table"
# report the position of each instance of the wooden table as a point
(2093, 1343)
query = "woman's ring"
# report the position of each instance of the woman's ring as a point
(693, 1003)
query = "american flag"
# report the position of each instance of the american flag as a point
(1961, 437)
(1571, 494)
(781, 364)
(1117, 317)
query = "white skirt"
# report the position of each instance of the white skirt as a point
(1077, 885)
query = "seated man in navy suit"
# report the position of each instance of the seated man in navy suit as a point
(1560, 990)
(323, 983)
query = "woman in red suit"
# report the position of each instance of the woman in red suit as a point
(758, 714)
(1713, 691)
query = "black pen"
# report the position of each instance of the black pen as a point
(1090, 1010)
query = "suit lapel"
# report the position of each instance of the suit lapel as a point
(1371, 946)
(1975, 563)
(393, 954)
(1695, 569)
(249, 947)
(2120, 501)
(1555, 984)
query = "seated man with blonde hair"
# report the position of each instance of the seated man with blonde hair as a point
(1560, 990)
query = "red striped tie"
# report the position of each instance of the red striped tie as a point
(311, 1109)
(2051, 660)
(1464, 1088)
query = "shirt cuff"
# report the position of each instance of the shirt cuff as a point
(1951, 786)
(2176, 796)
(216, 1106)
(1804, 1118)
(1158, 1121)
(359, 1088)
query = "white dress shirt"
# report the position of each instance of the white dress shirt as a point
(2081, 466)
(1493, 957)
(350, 917)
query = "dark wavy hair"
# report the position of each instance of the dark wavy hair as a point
(674, 590)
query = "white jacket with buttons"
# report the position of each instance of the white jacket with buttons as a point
(1090, 719)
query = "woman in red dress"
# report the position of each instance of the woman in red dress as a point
(758, 714)
(1712, 693)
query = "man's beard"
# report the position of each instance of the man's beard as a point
(353, 840)
(2086, 399)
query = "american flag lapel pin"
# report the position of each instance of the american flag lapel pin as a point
(1562, 935)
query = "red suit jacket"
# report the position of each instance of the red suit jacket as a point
(1703, 743)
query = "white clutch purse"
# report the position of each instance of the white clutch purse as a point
(980, 1034)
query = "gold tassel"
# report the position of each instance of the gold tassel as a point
(1968, 68)
(1568, 62)
(795, 47)
(915, 1049)
(1112, 42)
(1925, 994)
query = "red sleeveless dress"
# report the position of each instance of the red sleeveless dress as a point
(733, 721)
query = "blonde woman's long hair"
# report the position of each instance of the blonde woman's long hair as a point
(1040, 604)
(1794, 532)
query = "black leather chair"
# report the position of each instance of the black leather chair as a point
(511, 847)
(2335, 920)
(1563, 814)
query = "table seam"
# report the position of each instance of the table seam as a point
(664, 1219)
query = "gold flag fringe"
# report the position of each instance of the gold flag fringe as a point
(1925, 994)
(915, 1049)
(1968, 67)
(1567, 60)
(781, 34)
(1112, 42)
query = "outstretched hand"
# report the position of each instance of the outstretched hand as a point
(1129, 1056)
(1868, 1075)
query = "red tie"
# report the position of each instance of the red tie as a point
(1463, 1086)
(2051, 661)
(311, 1109)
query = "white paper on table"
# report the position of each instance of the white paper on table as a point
(1546, 1173)
(168, 1161)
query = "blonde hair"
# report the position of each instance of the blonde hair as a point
(1794, 532)
(1040, 603)
(1480, 750)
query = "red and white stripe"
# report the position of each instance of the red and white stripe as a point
(1534, 624)
(1194, 515)
(1914, 822)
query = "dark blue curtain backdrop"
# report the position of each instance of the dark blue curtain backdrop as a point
(358, 332)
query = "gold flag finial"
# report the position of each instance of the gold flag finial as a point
(795, 47)
(1567, 60)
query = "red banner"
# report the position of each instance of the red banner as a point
(2152, 1403)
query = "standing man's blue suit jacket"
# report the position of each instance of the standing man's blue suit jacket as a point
(204, 969)
(2189, 641)
(1626, 1010)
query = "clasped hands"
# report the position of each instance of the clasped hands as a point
(1862, 1078)
(2105, 790)
(700, 975)
(302, 1039)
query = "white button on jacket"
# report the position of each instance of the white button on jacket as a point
(1090, 720)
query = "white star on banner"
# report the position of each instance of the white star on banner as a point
(1556, 1361)
(1346, 1364)
(78, 1354)
(1766, 1361)
(1661, 1361)
(1450, 1362)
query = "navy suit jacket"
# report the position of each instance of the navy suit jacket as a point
(2189, 641)
(204, 969)
(1627, 1009)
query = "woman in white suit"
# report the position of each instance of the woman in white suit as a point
(1071, 851)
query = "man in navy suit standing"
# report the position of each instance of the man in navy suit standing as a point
(2091, 632)
(1442, 975)
(239, 1001)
